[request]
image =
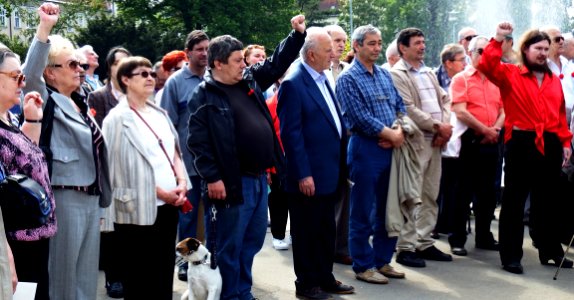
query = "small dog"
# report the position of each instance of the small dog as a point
(204, 283)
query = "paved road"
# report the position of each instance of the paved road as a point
(476, 276)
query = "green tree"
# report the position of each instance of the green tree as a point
(251, 21)
(390, 16)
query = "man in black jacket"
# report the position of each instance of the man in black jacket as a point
(232, 139)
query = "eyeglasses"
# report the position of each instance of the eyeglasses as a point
(478, 51)
(16, 75)
(462, 60)
(470, 37)
(558, 39)
(85, 66)
(145, 74)
(72, 64)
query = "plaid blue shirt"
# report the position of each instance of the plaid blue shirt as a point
(369, 102)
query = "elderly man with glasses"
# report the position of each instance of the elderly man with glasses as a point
(477, 104)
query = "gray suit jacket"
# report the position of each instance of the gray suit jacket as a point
(71, 142)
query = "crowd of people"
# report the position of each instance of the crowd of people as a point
(369, 162)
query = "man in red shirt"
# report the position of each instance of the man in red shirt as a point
(477, 104)
(537, 142)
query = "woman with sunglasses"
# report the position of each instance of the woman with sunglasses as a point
(79, 174)
(149, 182)
(19, 154)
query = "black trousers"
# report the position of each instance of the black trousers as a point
(313, 232)
(529, 171)
(278, 208)
(449, 181)
(109, 258)
(478, 167)
(148, 256)
(31, 260)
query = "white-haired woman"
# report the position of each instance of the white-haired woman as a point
(79, 175)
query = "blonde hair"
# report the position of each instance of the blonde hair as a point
(59, 45)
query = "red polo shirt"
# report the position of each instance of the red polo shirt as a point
(527, 106)
(481, 96)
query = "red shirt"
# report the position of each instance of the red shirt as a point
(481, 96)
(272, 105)
(527, 106)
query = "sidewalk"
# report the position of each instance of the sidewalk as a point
(476, 276)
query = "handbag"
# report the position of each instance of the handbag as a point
(25, 203)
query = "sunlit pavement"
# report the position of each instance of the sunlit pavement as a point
(476, 276)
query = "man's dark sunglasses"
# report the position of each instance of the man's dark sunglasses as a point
(470, 37)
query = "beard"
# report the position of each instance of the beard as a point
(534, 67)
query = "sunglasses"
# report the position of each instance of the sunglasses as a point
(479, 51)
(470, 37)
(558, 39)
(85, 66)
(16, 75)
(145, 74)
(71, 64)
(175, 69)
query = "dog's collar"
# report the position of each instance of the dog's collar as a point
(200, 262)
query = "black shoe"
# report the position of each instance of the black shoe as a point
(555, 261)
(182, 272)
(435, 235)
(460, 251)
(115, 290)
(314, 293)
(515, 268)
(410, 259)
(338, 287)
(490, 245)
(432, 253)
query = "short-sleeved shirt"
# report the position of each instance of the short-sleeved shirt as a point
(481, 96)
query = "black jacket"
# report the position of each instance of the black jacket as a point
(211, 136)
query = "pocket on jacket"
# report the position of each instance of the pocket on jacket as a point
(124, 199)
(62, 158)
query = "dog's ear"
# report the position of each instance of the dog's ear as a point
(193, 244)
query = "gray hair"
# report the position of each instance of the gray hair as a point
(360, 33)
(472, 44)
(311, 40)
(450, 51)
(462, 33)
(392, 49)
(332, 28)
(220, 49)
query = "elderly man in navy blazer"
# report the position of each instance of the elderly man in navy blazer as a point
(313, 138)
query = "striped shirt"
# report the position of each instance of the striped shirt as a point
(369, 102)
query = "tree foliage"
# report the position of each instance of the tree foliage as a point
(390, 16)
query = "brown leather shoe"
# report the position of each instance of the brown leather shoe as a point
(344, 259)
(390, 272)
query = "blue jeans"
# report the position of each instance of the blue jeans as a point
(369, 167)
(240, 235)
(188, 222)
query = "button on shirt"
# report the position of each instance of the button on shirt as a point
(370, 102)
(321, 81)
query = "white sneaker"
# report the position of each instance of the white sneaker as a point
(280, 244)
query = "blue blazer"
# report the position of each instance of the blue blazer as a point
(312, 145)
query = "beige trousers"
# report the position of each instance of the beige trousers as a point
(421, 219)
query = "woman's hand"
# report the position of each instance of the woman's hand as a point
(12, 268)
(175, 197)
(33, 106)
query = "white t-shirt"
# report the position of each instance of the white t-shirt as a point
(164, 177)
